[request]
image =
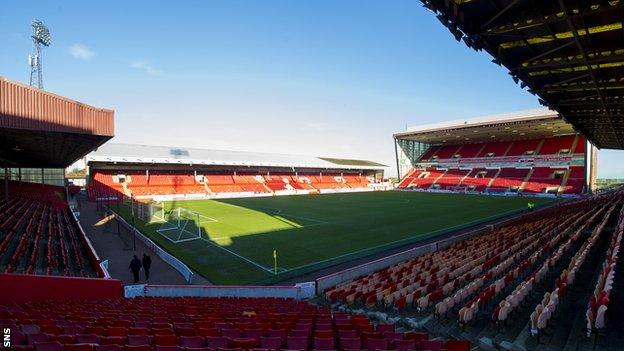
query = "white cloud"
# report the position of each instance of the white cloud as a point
(81, 52)
(146, 67)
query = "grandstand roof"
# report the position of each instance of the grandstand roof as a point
(529, 124)
(129, 153)
(40, 129)
(570, 53)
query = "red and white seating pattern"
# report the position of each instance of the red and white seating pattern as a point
(599, 301)
(422, 281)
(542, 314)
(472, 272)
(509, 178)
(103, 186)
(176, 324)
(564, 228)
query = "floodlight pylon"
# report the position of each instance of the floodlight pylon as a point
(40, 36)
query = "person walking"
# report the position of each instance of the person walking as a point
(135, 267)
(147, 263)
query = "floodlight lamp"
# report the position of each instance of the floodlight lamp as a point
(41, 33)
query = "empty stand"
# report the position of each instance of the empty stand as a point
(495, 276)
(203, 323)
(42, 237)
(114, 185)
(524, 147)
(557, 145)
(524, 167)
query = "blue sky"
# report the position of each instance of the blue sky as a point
(317, 77)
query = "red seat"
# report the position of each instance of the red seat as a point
(301, 333)
(168, 348)
(431, 345)
(273, 343)
(321, 343)
(208, 332)
(48, 346)
(231, 333)
(192, 341)
(78, 347)
(87, 339)
(31, 329)
(116, 331)
(404, 345)
(137, 348)
(324, 334)
(38, 337)
(347, 334)
(63, 338)
(297, 342)
(185, 331)
(138, 331)
(376, 344)
(350, 343)
(165, 340)
(216, 342)
(113, 340)
(243, 343)
(108, 348)
(136, 340)
(95, 330)
(162, 331)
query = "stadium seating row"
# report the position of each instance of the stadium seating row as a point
(110, 185)
(543, 312)
(474, 176)
(42, 237)
(526, 180)
(452, 275)
(599, 300)
(169, 324)
(524, 264)
(568, 144)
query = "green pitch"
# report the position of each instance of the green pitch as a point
(239, 235)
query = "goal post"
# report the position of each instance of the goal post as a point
(181, 224)
(146, 211)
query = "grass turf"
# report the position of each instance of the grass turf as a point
(309, 229)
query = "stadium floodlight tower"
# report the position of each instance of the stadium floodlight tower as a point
(40, 36)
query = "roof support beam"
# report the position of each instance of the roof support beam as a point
(500, 13)
(540, 20)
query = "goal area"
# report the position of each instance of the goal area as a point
(180, 225)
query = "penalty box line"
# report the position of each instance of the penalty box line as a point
(270, 270)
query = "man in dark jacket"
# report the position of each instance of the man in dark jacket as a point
(135, 267)
(147, 263)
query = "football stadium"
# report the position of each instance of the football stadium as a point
(493, 235)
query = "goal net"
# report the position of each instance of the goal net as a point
(146, 211)
(180, 225)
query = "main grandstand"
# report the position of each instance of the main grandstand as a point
(529, 152)
(165, 173)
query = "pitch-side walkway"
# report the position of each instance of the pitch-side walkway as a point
(116, 247)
